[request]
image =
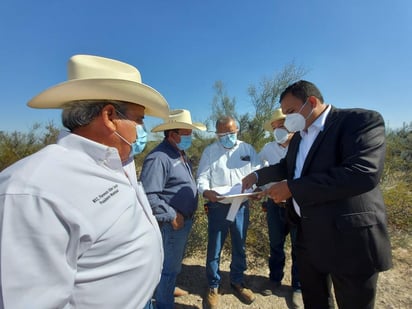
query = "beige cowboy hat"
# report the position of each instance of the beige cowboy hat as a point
(179, 119)
(277, 115)
(93, 78)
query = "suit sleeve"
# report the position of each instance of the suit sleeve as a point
(358, 148)
(272, 173)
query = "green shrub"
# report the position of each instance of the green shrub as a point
(398, 201)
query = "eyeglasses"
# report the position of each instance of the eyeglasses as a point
(226, 133)
(138, 121)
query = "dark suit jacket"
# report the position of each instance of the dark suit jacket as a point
(342, 228)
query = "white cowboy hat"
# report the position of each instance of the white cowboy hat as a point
(277, 115)
(94, 78)
(179, 119)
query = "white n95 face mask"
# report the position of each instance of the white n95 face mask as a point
(281, 135)
(296, 122)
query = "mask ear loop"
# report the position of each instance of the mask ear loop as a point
(141, 128)
(303, 106)
(311, 112)
(123, 139)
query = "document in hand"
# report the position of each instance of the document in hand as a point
(233, 196)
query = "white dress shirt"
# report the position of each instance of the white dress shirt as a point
(75, 232)
(306, 142)
(272, 153)
(220, 167)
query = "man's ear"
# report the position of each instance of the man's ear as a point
(172, 135)
(109, 116)
(313, 101)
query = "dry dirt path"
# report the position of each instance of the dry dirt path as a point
(394, 286)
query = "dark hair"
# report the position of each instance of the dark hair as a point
(302, 89)
(167, 132)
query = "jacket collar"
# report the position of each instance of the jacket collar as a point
(330, 119)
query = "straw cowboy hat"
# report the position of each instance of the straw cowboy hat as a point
(179, 119)
(94, 78)
(277, 115)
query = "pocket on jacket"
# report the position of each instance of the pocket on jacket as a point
(356, 220)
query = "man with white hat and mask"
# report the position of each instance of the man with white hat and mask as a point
(278, 226)
(77, 229)
(171, 189)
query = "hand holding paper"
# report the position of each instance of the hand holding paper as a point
(227, 194)
(235, 197)
(279, 191)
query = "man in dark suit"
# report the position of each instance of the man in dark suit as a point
(330, 179)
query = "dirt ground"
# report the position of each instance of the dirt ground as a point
(394, 286)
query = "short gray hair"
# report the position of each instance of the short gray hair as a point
(80, 113)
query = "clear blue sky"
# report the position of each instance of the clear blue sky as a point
(358, 52)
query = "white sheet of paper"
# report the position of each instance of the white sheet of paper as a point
(234, 207)
(226, 193)
(228, 199)
(234, 197)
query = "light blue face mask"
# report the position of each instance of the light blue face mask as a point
(139, 144)
(185, 142)
(229, 140)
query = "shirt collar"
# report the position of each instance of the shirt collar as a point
(101, 154)
(169, 145)
(319, 123)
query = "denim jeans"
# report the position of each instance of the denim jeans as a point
(174, 244)
(278, 229)
(218, 228)
(149, 305)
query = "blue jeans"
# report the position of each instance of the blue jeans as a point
(218, 228)
(149, 305)
(174, 244)
(278, 229)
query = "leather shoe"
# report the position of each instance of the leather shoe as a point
(297, 301)
(270, 287)
(212, 298)
(245, 295)
(179, 292)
